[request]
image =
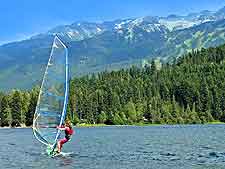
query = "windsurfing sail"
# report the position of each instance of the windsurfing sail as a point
(53, 97)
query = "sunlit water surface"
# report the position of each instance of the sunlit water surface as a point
(153, 147)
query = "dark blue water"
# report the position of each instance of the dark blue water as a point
(155, 147)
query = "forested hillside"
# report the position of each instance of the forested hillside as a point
(191, 90)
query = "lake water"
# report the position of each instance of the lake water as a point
(153, 147)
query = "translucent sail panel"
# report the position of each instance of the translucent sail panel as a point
(53, 95)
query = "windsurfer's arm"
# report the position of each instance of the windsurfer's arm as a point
(61, 127)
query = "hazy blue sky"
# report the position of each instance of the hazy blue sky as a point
(20, 19)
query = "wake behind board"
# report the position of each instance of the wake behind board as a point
(64, 154)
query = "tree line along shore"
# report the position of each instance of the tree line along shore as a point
(191, 90)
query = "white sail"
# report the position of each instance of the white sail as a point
(53, 97)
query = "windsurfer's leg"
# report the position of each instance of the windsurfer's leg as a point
(60, 144)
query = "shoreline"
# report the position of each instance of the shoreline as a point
(125, 125)
(6, 127)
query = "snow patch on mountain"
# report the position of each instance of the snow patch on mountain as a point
(99, 29)
(122, 24)
(177, 24)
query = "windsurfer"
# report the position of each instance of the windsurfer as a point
(68, 134)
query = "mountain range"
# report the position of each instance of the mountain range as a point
(111, 45)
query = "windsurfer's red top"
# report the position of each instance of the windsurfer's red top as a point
(68, 130)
